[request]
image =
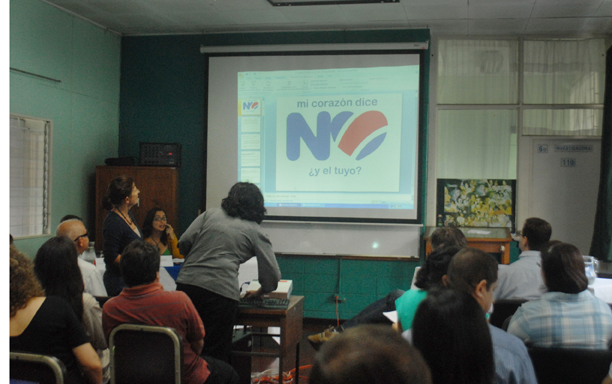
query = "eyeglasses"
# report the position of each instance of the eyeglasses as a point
(84, 235)
(160, 219)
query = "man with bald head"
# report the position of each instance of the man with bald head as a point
(75, 230)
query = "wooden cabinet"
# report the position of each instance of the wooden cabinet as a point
(491, 240)
(158, 188)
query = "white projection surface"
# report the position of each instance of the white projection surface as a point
(324, 135)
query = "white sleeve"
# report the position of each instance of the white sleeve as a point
(92, 278)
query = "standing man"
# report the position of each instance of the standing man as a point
(75, 230)
(523, 279)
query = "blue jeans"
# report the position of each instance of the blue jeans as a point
(373, 313)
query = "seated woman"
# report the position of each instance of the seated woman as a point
(429, 276)
(568, 315)
(451, 332)
(157, 231)
(58, 271)
(48, 325)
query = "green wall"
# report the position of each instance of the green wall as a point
(163, 84)
(84, 107)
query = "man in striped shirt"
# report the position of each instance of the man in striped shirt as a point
(144, 301)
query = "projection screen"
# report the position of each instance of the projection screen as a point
(326, 135)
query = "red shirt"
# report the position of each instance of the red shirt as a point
(151, 305)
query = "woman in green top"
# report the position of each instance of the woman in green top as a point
(429, 276)
(157, 231)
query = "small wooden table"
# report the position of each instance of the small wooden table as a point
(290, 323)
(492, 240)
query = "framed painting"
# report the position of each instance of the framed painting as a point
(476, 203)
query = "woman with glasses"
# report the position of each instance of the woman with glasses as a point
(156, 230)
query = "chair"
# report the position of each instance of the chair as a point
(40, 369)
(570, 365)
(145, 354)
(101, 300)
(502, 309)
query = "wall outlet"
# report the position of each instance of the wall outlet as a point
(338, 298)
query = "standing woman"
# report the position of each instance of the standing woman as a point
(157, 231)
(119, 228)
(58, 271)
(214, 246)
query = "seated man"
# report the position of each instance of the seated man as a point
(522, 279)
(369, 354)
(74, 229)
(144, 301)
(475, 272)
(373, 313)
(568, 315)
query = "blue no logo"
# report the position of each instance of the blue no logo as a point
(328, 129)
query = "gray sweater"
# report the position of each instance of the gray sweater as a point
(215, 245)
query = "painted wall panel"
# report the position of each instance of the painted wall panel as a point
(84, 107)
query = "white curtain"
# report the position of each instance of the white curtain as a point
(477, 72)
(564, 71)
(476, 144)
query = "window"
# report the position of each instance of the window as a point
(490, 91)
(29, 176)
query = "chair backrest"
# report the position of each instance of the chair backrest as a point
(570, 365)
(145, 354)
(39, 369)
(502, 309)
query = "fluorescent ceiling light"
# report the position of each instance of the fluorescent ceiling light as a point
(326, 2)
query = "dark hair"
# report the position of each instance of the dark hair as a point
(58, 271)
(537, 232)
(436, 266)
(70, 217)
(448, 237)
(451, 332)
(369, 354)
(139, 263)
(119, 188)
(23, 282)
(469, 267)
(147, 226)
(563, 268)
(245, 201)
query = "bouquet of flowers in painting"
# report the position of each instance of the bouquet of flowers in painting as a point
(476, 203)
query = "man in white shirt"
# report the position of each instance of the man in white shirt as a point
(523, 278)
(76, 231)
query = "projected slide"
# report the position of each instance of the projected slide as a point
(330, 138)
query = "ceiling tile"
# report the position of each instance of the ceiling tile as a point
(316, 14)
(370, 12)
(598, 24)
(500, 11)
(443, 27)
(605, 9)
(565, 10)
(497, 27)
(271, 16)
(421, 12)
(228, 5)
(555, 25)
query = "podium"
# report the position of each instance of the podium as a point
(289, 321)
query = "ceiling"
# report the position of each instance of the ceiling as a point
(443, 17)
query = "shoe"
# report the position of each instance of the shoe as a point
(318, 339)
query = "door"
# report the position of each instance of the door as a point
(563, 187)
